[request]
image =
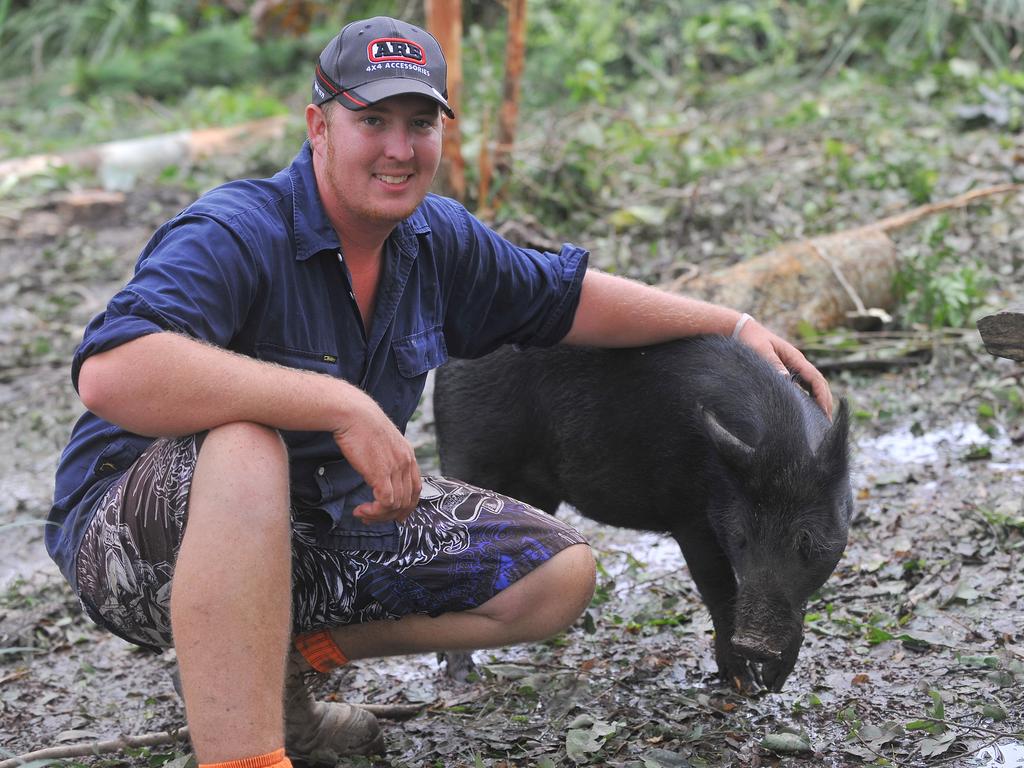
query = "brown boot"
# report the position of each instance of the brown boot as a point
(322, 732)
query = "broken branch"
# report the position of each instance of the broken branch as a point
(384, 711)
(98, 747)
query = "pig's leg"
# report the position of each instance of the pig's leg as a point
(712, 573)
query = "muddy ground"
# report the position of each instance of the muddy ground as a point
(914, 652)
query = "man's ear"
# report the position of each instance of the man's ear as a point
(316, 127)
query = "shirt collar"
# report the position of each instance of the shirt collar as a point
(313, 230)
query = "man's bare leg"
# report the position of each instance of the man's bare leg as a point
(231, 594)
(537, 606)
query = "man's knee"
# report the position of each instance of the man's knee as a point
(243, 465)
(248, 447)
(250, 435)
(550, 598)
(579, 574)
(562, 591)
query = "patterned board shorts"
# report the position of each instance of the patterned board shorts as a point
(460, 547)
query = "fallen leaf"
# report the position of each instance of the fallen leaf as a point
(787, 743)
(931, 747)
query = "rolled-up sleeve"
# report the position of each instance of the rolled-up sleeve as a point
(195, 277)
(504, 294)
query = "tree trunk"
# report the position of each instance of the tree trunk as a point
(515, 56)
(444, 21)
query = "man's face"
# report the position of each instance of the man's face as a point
(378, 163)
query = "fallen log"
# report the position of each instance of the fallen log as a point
(795, 284)
(1003, 333)
(844, 278)
(120, 163)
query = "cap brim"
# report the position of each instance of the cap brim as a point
(371, 93)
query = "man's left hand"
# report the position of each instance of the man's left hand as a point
(787, 359)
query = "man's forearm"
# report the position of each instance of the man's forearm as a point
(166, 385)
(617, 312)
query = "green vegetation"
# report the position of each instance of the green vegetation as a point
(631, 113)
(936, 285)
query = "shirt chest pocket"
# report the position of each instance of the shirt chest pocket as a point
(415, 355)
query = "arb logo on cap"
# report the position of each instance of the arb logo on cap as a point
(395, 49)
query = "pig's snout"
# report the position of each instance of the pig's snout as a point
(755, 648)
(768, 623)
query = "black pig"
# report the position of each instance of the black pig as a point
(700, 438)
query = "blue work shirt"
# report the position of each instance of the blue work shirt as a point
(255, 266)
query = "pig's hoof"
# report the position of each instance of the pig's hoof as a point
(741, 676)
(749, 684)
(458, 665)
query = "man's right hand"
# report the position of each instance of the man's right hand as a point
(381, 454)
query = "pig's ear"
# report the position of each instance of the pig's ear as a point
(733, 450)
(834, 449)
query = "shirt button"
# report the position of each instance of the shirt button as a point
(320, 471)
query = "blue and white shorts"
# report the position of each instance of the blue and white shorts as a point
(460, 547)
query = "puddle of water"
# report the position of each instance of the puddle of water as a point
(1000, 756)
(903, 446)
(658, 552)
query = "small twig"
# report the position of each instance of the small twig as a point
(13, 676)
(901, 220)
(651, 580)
(872, 364)
(98, 747)
(979, 728)
(840, 277)
(867, 745)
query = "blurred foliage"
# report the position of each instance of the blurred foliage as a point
(937, 286)
(630, 112)
(626, 91)
(217, 55)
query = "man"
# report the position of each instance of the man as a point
(240, 487)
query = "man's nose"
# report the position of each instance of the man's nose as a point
(399, 144)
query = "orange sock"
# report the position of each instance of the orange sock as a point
(275, 759)
(320, 651)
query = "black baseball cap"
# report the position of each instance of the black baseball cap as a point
(377, 58)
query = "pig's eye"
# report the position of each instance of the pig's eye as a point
(741, 542)
(804, 548)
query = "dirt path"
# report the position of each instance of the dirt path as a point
(914, 650)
